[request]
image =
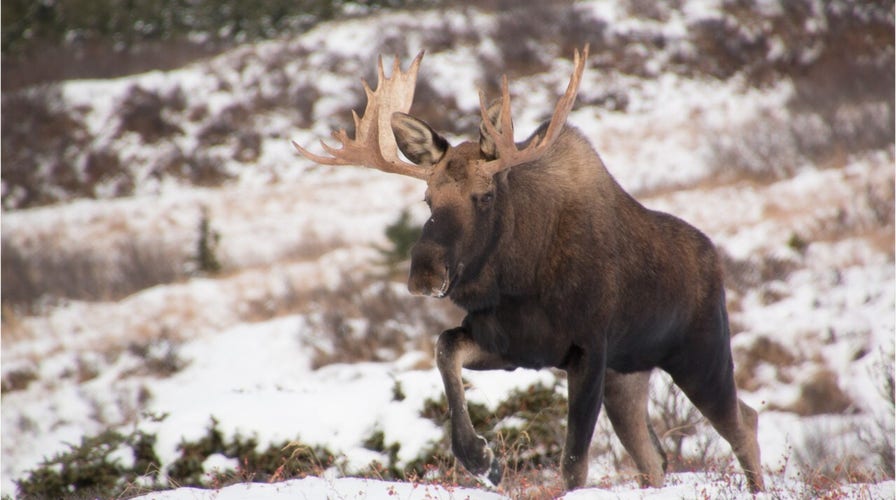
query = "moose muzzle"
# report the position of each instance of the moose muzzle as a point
(430, 274)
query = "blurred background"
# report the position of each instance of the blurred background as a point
(158, 230)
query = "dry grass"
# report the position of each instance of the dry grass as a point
(46, 272)
(366, 319)
(762, 150)
(828, 458)
(880, 437)
(689, 441)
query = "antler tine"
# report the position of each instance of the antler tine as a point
(564, 104)
(508, 153)
(374, 144)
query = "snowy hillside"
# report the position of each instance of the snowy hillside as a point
(189, 303)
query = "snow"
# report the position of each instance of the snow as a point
(290, 228)
(686, 485)
(313, 487)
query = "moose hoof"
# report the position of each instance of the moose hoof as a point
(491, 477)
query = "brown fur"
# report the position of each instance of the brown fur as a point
(558, 266)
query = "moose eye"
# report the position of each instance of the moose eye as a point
(484, 200)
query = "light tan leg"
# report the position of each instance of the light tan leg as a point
(625, 399)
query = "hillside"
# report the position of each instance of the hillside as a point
(186, 302)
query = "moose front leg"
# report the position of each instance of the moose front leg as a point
(585, 375)
(455, 350)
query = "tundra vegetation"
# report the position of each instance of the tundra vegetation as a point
(106, 318)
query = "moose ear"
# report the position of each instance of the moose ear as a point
(419, 143)
(486, 142)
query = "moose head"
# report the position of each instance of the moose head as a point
(466, 184)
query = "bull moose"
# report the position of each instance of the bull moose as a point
(556, 266)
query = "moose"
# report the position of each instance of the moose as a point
(556, 266)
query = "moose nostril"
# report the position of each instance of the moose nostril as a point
(428, 278)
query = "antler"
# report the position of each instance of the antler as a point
(508, 155)
(374, 144)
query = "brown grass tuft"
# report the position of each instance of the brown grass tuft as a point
(45, 272)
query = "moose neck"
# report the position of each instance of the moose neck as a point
(547, 209)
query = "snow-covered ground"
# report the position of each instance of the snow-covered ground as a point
(244, 341)
(687, 486)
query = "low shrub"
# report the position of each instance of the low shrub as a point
(41, 142)
(45, 272)
(401, 235)
(879, 437)
(143, 113)
(113, 464)
(742, 275)
(101, 466)
(527, 429)
(841, 70)
(161, 357)
(18, 379)
(276, 462)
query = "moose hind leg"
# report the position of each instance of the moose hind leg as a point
(456, 349)
(710, 386)
(625, 399)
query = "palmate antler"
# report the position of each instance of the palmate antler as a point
(374, 144)
(508, 155)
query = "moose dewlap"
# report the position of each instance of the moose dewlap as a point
(556, 266)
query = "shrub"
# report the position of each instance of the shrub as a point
(18, 379)
(224, 125)
(821, 394)
(530, 34)
(880, 436)
(161, 357)
(402, 235)
(143, 112)
(839, 57)
(40, 143)
(93, 468)
(271, 463)
(743, 275)
(43, 271)
(528, 443)
(725, 46)
(849, 81)
(206, 246)
(763, 149)
(763, 351)
(649, 9)
(110, 38)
